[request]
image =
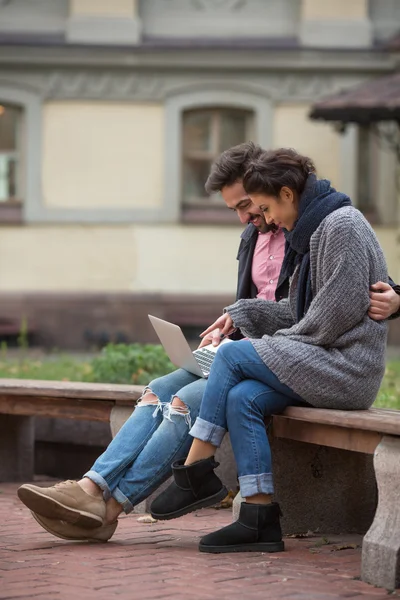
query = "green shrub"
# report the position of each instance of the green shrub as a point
(133, 363)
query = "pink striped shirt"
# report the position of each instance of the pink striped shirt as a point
(267, 260)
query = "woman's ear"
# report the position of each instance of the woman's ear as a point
(287, 194)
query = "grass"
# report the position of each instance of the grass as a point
(60, 368)
(389, 393)
(67, 368)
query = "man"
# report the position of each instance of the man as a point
(139, 458)
(262, 246)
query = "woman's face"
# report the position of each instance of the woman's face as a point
(282, 211)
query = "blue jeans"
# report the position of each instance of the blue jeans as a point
(241, 391)
(139, 458)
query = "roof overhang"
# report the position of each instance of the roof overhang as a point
(373, 101)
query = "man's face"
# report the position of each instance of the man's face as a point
(236, 199)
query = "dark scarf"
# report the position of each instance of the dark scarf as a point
(317, 201)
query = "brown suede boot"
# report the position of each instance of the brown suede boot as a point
(66, 531)
(65, 501)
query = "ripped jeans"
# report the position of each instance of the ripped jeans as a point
(138, 460)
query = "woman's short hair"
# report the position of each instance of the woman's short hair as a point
(274, 169)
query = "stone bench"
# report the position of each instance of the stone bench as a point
(23, 400)
(326, 462)
(326, 467)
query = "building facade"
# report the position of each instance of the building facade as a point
(110, 116)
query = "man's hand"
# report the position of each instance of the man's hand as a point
(225, 327)
(384, 301)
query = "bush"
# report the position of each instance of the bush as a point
(133, 363)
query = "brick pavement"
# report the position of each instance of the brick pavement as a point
(159, 561)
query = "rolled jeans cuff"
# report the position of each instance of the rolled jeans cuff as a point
(250, 485)
(208, 432)
(101, 482)
(126, 504)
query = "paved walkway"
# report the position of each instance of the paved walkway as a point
(158, 561)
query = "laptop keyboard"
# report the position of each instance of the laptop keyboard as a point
(204, 357)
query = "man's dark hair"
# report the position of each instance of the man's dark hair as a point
(231, 166)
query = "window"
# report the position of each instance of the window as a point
(207, 133)
(10, 186)
(9, 159)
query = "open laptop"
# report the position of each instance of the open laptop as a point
(178, 350)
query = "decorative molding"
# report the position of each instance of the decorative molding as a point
(108, 84)
(104, 85)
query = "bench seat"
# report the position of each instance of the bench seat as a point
(358, 430)
(65, 399)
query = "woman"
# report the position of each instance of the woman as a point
(318, 347)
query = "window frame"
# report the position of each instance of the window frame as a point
(16, 153)
(29, 153)
(204, 202)
(258, 104)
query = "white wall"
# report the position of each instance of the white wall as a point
(292, 128)
(105, 155)
(119, 258)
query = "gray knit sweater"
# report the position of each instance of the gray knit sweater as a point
(335, 356)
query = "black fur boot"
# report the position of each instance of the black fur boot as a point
(195, 486)
(258, 529)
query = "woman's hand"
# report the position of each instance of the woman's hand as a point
(384, 301)
(225, 327)
(213, 338)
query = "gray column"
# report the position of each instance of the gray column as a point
(381, 545)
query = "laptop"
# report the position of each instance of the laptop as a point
(178, 350)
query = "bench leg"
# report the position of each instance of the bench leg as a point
(17, 444)
(119, 414)
(381, 544)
